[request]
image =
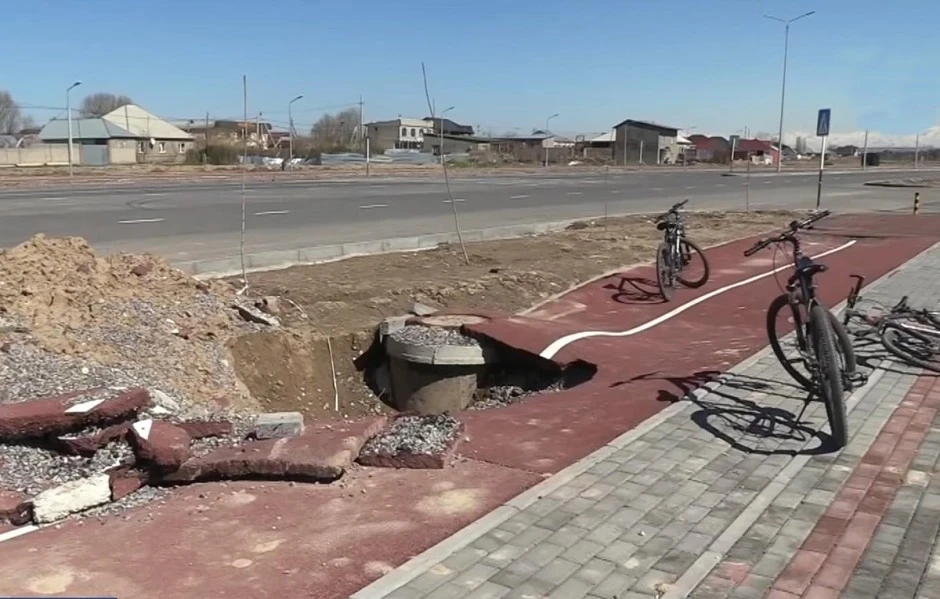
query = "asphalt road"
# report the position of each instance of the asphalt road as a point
(203, 220)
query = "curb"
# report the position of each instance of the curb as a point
(435, 554)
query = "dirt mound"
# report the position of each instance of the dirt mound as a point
(133, 313)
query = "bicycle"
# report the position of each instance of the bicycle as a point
(674, 254)
(911, 334)
(820, 337)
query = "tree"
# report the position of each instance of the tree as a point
(11, 117)
(335, 132)
(100, 104)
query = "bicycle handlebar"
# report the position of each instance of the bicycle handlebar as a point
(788, 234)
(675, 208)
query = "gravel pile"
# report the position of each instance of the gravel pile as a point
(416, 334)
(415, 435)
(31, 470)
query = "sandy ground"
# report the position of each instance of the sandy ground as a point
(344, 301)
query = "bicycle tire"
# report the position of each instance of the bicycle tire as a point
(892, 339)
(843, 339)
(665, 277)
(706, 268)
(830, 383)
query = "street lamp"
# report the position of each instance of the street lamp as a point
(546, 133)
(290, 122)
(783, 87)
(440, 123)
(68, 109)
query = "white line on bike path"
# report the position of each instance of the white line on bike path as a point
(556, 346)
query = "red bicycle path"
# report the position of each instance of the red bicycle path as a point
(258, 539)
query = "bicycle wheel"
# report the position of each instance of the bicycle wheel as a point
(688, 249)
(665, 274)
(912, 347)
(830, 379)
(790, 362)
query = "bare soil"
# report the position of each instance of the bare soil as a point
(344, 301)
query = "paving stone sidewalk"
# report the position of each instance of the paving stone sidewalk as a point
(733, 494)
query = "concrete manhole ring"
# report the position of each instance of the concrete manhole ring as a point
(450, 321)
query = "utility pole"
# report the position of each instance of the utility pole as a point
(68, 109)
(361, 134)
(545, 141)
(916, 150)
(865, 152)
(290, 125)
(783, 87)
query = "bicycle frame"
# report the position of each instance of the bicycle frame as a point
(801, 290)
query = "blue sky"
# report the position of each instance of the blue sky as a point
(712, 64)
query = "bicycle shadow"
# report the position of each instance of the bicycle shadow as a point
(635, 290)
(727, 413)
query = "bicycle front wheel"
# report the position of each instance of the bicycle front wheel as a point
(830, 378)
(665, 271)
(691, 254)
(914, 348)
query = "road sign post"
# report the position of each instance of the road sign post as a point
(822, 132)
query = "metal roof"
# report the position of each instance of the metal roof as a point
(58, 129)
(662, 129)
(142, 124)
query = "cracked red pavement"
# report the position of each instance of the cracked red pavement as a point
(259, 539)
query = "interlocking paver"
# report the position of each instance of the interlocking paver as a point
(638, 521)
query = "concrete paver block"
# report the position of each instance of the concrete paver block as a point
(71, 497)
(278, 425)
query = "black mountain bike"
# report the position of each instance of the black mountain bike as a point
(824, 349)
(911, 334)
(674, 254)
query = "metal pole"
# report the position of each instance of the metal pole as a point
(783, 86)
(865, 152)
(822, 164)
(68, 109)
(916, 150)
(546, 139)
(290, 124)
(440, 122)
(640, 161)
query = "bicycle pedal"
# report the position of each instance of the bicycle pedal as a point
(856, 379)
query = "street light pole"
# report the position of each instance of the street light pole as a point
(68, 109)
(783, 86)
(546, 132)
(290, 124)
(440, 123)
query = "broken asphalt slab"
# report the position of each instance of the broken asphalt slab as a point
(69, 412)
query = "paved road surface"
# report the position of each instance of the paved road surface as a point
(202, 220)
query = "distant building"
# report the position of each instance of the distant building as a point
(399, 134)
(757, 151)
(709, 149)
(642, 142)
(455, 144)
(157, 140)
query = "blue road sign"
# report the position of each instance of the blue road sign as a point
(822, 122)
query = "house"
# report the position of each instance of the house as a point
(709, 149)
(449, 126)
(756, 151)
(95, 142)
(399, 134)
(643, 142)
(533, 147)
(455, 144)
(157, 140)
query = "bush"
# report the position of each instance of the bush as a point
(214, 154)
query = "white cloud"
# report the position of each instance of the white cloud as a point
(928, 138)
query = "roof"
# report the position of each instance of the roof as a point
(608, 137)
(703, 142)
(662, 129)
(466, 138)
(450, 126)
(83, 129)
(753, 145)
(143, 124)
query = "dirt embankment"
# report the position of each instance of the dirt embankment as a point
(343, 301)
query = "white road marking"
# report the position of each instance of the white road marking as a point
(657, 189)
(455, 200)
(156, 195)
(368, 206)
(556, 346)
(574, 193)
(18, 532)
(85, 406)
(140, 221)
(719, 185)
(690, 187)
(267, 212)
(56, 199)
(614, 191)
(519, 197)
(142, 428)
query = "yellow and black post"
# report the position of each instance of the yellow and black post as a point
(916, 202)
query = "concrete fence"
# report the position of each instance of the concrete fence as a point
(38, 155)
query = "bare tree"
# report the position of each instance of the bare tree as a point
(11, 117)
(335, 132)
(100, 104)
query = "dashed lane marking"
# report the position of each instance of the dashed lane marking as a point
(269, 212)
(519, 197)
(370, 206)
(140, 221)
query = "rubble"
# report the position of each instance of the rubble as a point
(160, 445)
(71, 497)
(414, 441)
(277, 425)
